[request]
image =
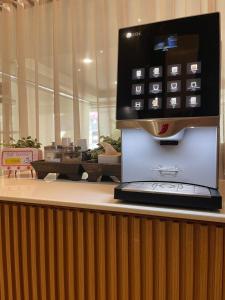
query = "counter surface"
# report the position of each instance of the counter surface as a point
(97, 196)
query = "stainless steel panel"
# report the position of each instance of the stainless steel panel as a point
(193, 160)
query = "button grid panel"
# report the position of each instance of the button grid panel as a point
(158, 88)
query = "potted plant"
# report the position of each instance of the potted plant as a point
(27, 142)
(92, 154)
(97, 170)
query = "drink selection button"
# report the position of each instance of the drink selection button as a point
(194, 68)
(174, 70)
(173, 102)
(138, 104)
(193, 101)
(193, 84)
(174, 86)
(137, 89)
(155, 103)
(155, 72)
(138, 73)
(155, 87)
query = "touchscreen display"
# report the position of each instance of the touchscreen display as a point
(164, 43)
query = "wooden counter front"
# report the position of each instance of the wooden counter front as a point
(60, 253)
(112, 253)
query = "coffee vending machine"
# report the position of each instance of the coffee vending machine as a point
(168, 95)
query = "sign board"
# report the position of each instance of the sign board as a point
(18, 158)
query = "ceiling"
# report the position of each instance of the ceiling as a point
(55, 39)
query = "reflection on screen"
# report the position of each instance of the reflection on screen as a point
(165, 42)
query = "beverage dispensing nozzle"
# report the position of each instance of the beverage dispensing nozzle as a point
(169, 143)
(172, 140)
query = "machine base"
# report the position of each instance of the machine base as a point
(169, 194)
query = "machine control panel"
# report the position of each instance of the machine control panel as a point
(169, 69)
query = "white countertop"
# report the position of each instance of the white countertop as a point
(98, 196)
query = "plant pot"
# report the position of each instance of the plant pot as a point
(66, 170)
(96, 171)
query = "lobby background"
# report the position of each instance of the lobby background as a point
(58, 62)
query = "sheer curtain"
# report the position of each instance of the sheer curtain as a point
(58, 62)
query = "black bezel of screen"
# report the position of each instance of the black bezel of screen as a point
(137, 51)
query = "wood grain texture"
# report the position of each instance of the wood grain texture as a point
(122, 256)
(41, 235)
(8, 256)
(215, 269)
(134, 258)
(90, 274)
(50, 232)
(16, 250)
(159, 242)
(69, 256)
(79, 254)
(223, 266)
(186, 261)
(24, 249)
(2, 258)
(201, 255)
(59, 253)
(173, 260)
(60, 270)
(33, 258)
(111, 257)
(100, 256)
(146, 249)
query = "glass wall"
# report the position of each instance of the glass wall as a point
(46, 117)
(58, 62)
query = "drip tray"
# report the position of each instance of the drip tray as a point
(168, 188)
(169, 194)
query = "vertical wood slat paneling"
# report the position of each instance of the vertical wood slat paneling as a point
(24, 254)
(6, 236)
(100, 256)
(2, 273)
(223, 267)
(135, 258)
(17, 262)
(147, 259)
(111, 257)
(173, 260)
(90, 256)
(186, 261)
(33, 246)
(49, 253)
(60, 255)
(215, 263)
(201, 261)
(70, 291)
(42, 253)
(159, 253)
(122, 256)
(79, 252)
